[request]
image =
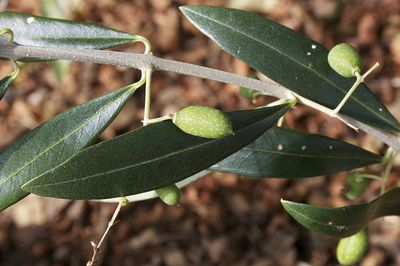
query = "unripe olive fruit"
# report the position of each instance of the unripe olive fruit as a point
(345, 60)
(203, 122)
(351, 249)
(170, 195)
(355, 185)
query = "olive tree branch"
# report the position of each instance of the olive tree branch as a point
(149, 61)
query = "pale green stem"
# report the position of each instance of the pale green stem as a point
(280, 121)
(145, 41)
(16, 69)
(359, 80)
(369, 71)
(8, 32)
(161, 118)
(375, 177)
(147, 100)
(347, 96)
(389, 159)
(141, 81)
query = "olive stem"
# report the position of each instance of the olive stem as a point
(369, 176)
(146, 43)
(369, 71)
(8, 32)
(348, 94)
(147, 100)
(359, 80)
(280, 121)
(388, 159)
(161, 118)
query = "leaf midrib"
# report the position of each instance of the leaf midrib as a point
(59, 141)
(293, 154)
(304, 66)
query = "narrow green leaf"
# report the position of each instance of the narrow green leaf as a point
(51, 32)
(7, 80)
(290, 59)
(287, 153)
(148, 158)
(53, 142)
(344, 221)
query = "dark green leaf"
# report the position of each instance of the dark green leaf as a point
(51, 32)
(288, 153)
(7, 80)
(290, 59)
(148, 158)
(344, 221)
(52, 143)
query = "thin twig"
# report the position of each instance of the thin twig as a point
(97, 246)
(143, 61)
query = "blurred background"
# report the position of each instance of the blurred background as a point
(223, 219)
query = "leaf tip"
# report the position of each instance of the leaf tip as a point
(184, 9)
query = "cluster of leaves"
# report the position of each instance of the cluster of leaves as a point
(56, 158)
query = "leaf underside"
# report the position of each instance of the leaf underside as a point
(55, 141)
(288, 58)
(148, 158)
(287, 153)
(51, 32)
(347, 220)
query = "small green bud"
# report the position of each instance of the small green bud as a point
(249, 93)
(351, 249)
(345, 60)
(124, 201)
(203, 122)
(170, 195)
(355, 185)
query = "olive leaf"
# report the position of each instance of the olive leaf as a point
(148, 158)
(344, 221)
(55, 141)
(288, 58)
(52, 32)
(282, 152)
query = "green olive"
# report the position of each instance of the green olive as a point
(351, 249)
(203, 122)
(170, 195)
(345, 60)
